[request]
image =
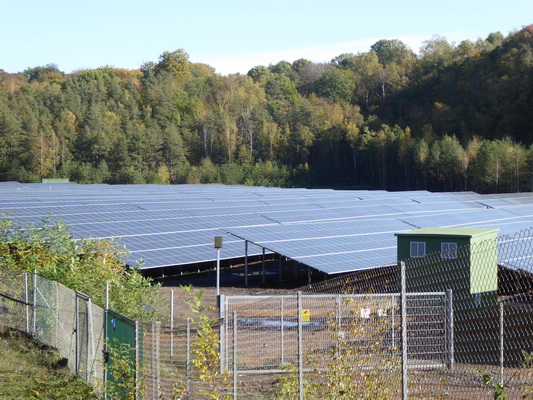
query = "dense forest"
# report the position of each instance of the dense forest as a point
(452, 117)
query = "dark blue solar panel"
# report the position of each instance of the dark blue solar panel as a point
(333, 231)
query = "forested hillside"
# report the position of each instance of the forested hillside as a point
(453, 117)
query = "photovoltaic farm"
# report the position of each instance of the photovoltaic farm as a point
(330, 231)
(401, 301)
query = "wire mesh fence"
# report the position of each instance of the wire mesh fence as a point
(460, 326)
(491, 309)
(58, 317)
(274, 321)
(492, 324)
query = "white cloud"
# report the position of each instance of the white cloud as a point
(242, 63)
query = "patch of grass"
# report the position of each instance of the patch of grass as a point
(30, 371)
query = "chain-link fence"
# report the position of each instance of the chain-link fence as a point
(490, 321)
(264, 335)
(492, 318)
(56, 316)
(457, 323)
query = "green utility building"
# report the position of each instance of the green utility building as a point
(466, 253)
(464, 260)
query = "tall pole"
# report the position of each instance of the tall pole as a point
(218, 246)
(218, 272)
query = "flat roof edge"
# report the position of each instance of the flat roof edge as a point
(457, 232)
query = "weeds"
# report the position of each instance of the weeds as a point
(206, 350)
(122, 372)
(29, 370)
(357, 365)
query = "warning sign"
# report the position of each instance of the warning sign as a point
(306, 315)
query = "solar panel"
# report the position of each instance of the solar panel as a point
(331, 231)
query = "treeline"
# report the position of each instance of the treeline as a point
(453, 117)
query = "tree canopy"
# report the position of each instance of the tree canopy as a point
(386, 118)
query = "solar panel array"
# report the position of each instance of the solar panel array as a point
(328, 230)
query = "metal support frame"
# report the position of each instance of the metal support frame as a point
(246, 263)
(263, 264)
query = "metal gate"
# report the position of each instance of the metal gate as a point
(121, 334)
(261, 334)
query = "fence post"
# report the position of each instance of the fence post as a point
(155, 360)
(34, 311)
(404, 332)
(235, 355)
(282, 333)
(137, 360)
(26, 301)
(171, 323)
(76, 333)
(107, 295)
(152, 345)
(300, 349)
(158, 357)
(90, 350)
(188, 358)
(57, 314)
(449, 329)
(106, 343)
(501, 344)
(338, 320)
(393, 333)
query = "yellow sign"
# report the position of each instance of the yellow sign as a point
(306, 315)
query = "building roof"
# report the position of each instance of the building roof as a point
(453, 231)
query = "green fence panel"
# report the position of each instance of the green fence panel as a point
(121, 356)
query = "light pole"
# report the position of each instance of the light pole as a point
(218, 246)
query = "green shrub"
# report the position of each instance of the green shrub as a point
(82, 265)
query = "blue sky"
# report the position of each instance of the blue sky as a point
(233, 35)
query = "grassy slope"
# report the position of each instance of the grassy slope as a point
(30, 371)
